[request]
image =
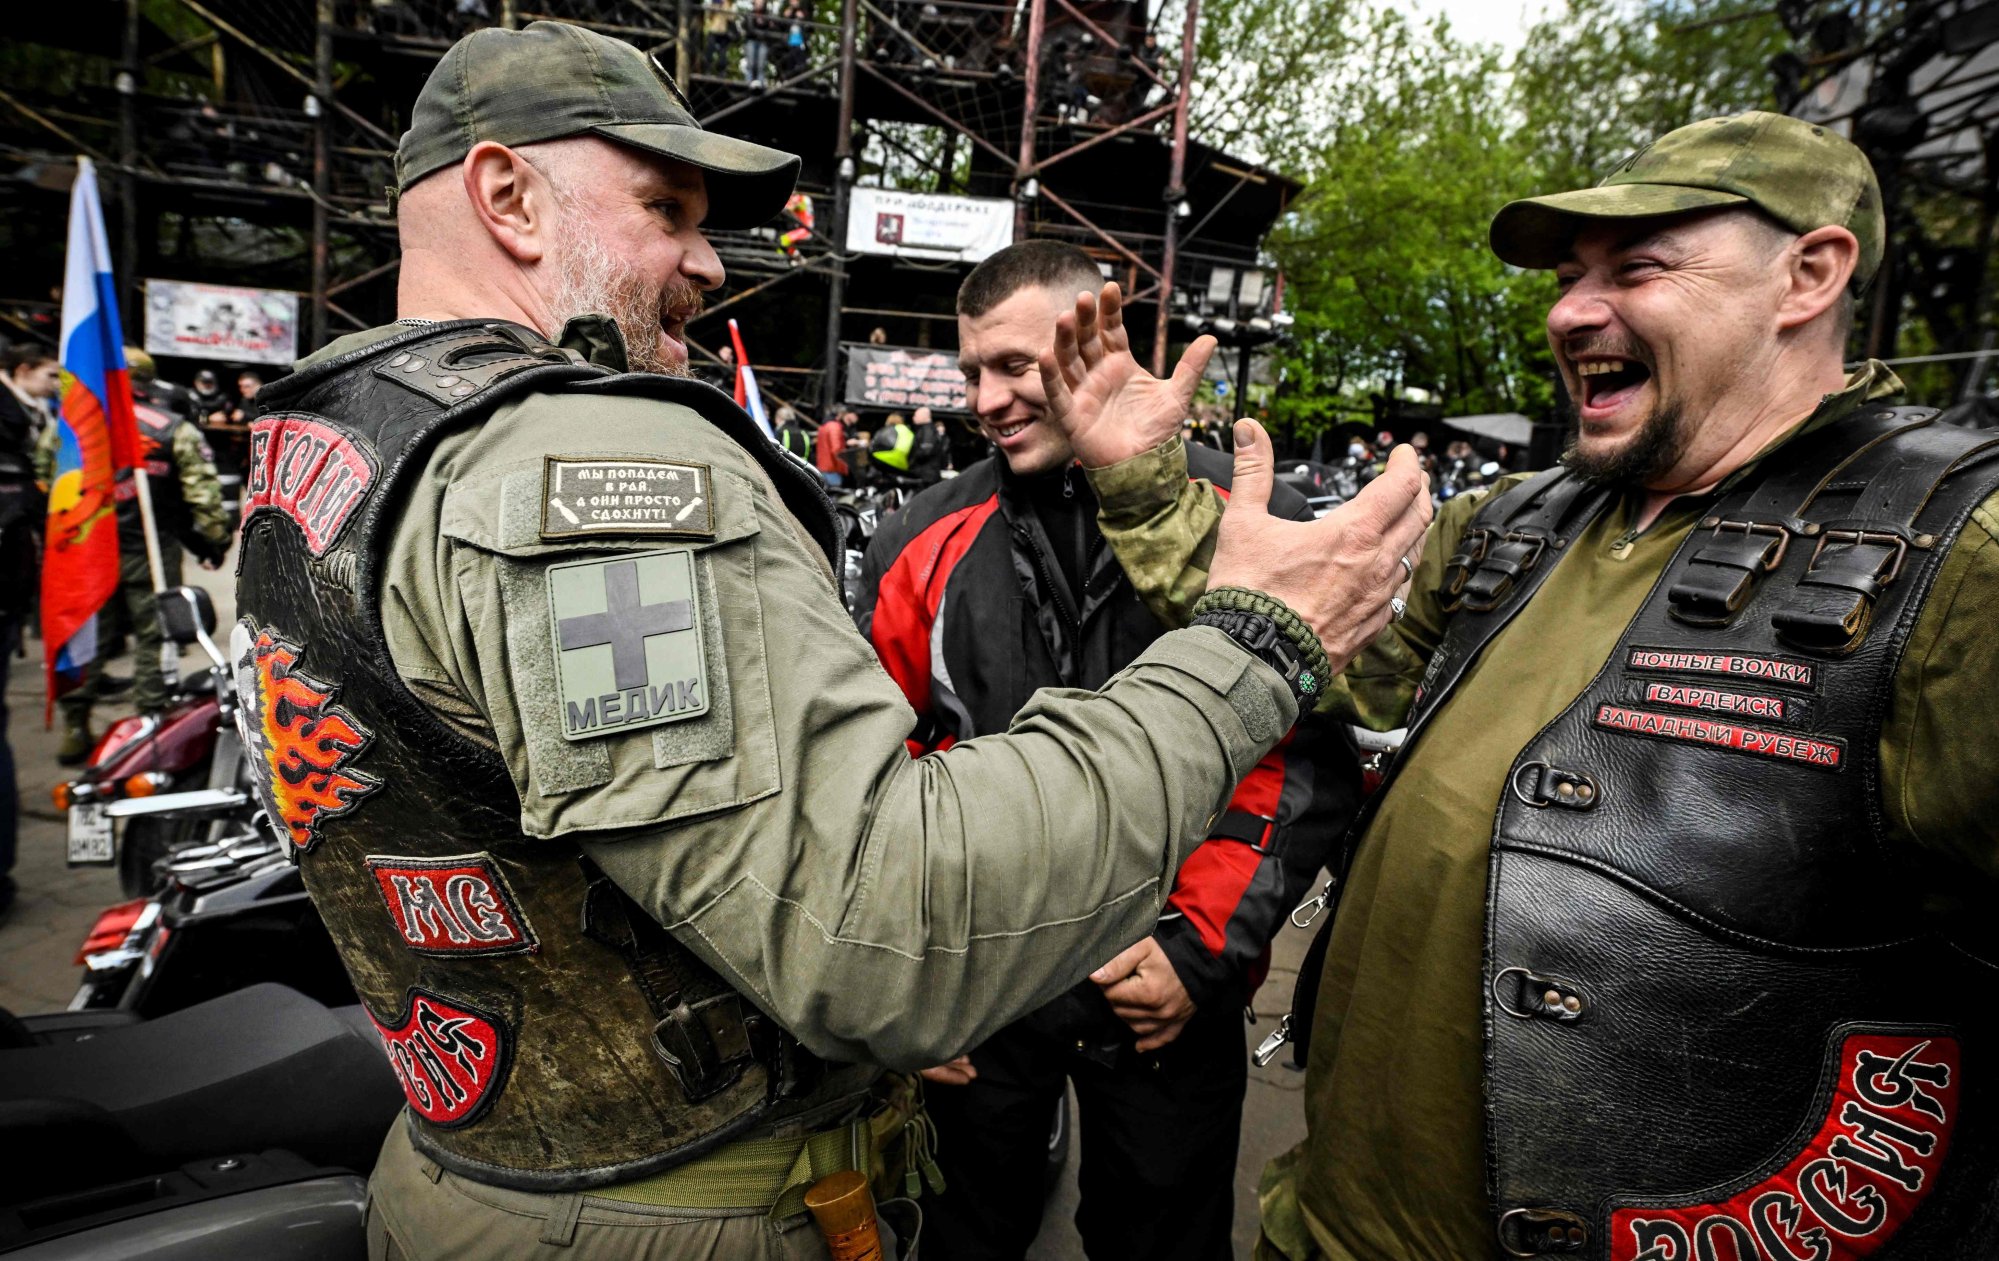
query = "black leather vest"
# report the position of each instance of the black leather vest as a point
(1726, 1019)
(547, 1032)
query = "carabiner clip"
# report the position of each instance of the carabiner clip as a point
(1267, 1049)
(1311, 906)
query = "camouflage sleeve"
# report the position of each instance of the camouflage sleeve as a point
(1161, 526)
(45, 454)
(200, 486)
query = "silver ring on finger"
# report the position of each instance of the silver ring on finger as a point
(1398, 608)
(1408, 570)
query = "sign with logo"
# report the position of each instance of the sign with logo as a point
(221, 322)
(927, 225)
(627, 643)
(904, 377)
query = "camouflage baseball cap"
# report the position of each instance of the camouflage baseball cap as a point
(1801, 175)
(553, 80)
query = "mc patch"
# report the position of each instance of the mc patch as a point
(627, 643)
(1785, 746)
(1871, 1162)
(450, 1059)
(452, 906)
(308, 470)
(583, 496)
(301, 744)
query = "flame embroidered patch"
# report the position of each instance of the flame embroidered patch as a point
(1872, 1161)
(450, 1059)
(303, 739)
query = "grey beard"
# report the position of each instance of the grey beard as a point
(590, 280)
(1658, 446)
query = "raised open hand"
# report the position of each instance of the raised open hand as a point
(1337, 573)
(1111, 408)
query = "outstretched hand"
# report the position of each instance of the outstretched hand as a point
(1337, 573)
(1111, 408)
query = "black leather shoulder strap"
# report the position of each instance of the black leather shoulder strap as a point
(1513, 544)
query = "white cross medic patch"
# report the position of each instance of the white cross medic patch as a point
(627, 633)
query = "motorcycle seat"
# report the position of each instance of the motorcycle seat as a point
(264, 1067)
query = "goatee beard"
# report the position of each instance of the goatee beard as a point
(1652, 452)
(590, 280)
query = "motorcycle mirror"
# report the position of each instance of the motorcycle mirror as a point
(187, 616)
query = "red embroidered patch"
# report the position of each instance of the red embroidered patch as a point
(1714, 700)
(308, 470)
(452, 906)
(303, 740)
(449, 1059)
(1782, 745)
(1735, 665)
(1857, 1180)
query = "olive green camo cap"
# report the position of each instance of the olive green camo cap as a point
(1799, 174)
(553, 80)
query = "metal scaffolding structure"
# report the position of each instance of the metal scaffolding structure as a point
(251, 142)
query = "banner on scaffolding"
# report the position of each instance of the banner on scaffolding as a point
(903, 377)
(927, 225)
(221, 322)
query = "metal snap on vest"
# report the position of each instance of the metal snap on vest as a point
(1545, 997)
(1540, 1232)
(1540, 785)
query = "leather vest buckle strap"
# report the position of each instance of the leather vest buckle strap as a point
(1542, 1232)
(1723, 572)
(1834, 605)
(1541, 785)
(705, 1044)
(1458, 569)
(1512, 558)
(1526, 995)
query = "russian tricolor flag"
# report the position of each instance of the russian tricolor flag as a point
(748, 396)
(97, 435)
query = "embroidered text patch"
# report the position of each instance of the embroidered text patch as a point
(598, 496)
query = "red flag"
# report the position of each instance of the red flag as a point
(97, 435)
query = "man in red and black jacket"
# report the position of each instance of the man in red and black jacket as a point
(979, 592)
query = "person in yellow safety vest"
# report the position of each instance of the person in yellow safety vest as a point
(893, 443)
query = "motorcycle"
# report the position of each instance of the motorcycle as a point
(142, 759)
(242, 1127)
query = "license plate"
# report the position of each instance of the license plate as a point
(91, 837)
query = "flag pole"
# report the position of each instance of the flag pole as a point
(145, 490)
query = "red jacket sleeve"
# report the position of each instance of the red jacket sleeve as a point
(1234, 891)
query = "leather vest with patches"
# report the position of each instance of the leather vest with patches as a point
(548, 1033)
(1726, 1018)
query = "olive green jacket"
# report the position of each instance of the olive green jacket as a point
(882, 907)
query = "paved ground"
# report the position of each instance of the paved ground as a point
(57, 905)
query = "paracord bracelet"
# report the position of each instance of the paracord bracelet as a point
(1224, 607)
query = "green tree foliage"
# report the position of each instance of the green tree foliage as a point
(1409, 138)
